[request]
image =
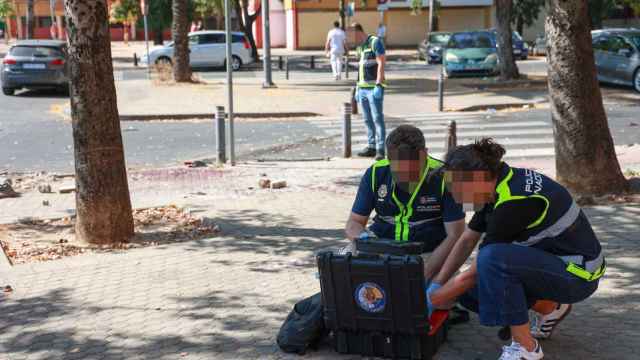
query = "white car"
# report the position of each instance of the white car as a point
(207, 49)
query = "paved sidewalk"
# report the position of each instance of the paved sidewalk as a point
(225, 297)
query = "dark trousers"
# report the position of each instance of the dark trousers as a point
(511, 278)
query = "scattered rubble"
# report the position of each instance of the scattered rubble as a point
(6, 188)
(278, 184)
(67, 189)
(44, 188)
(264, 183)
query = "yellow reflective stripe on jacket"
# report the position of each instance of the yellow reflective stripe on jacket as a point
(402, 225)
(584, 274)
(504, 195)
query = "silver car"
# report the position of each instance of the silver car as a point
(35, 64)
(617, 53)
(207, 49)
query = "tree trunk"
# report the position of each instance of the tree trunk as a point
(246, 24)
(507, 63)
(180, 32)
(125, 33)
(158, 37)
(29, 17)
(520, 25)
(102, 198)
(586, 161)
(134, 31)
(7, 30)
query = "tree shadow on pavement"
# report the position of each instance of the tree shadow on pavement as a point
(267, 233)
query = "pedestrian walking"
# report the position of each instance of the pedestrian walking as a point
(370, 89)
(336, 47)
(382, 32)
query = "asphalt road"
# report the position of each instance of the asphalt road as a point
(33, 138)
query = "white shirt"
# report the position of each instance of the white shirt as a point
(337, 39)
(382, 31)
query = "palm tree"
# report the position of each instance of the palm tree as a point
(103, 205)
(586, 160)
(507, 63)
(180, 33)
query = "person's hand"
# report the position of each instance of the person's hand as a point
(366, 235)
(378, 91)
(431, 288)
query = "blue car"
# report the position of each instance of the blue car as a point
(520, 47)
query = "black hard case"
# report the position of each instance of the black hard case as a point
(401, 330)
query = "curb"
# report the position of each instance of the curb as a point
(526, 105)
(151, 117)
(66, 112)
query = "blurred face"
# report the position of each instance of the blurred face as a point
(407, 167)
(473, 188)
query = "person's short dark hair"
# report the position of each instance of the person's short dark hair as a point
(336, 24)
(357, 27)
(484, 154)
(405, 138)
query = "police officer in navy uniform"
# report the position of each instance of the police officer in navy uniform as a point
(409, 198)
(370, 89)
(539, 250)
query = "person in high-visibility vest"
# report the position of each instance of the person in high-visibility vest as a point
(410, 201)
(539, 250)
(370, 89)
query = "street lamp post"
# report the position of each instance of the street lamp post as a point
(266, 45)
(228, 39)
(144, 5)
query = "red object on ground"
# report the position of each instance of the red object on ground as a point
(437, 320)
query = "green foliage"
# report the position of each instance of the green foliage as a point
(160, 14)
(600, 10)
(125, 12)
(206, 8)
(526, 11)
(416, 7)
(6, 9)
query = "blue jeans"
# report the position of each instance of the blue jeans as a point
(373, 118)
(511, 278)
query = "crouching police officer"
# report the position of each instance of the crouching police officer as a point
(539, 250)
(410, 199)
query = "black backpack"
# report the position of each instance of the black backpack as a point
(304, 327)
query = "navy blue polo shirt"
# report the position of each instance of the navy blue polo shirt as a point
(433, 205)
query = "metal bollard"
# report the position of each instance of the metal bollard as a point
(135, 60)
(280, 63)
(286, 68)
(441, 90)
(354, 102)
(451, 141)
(313, 62)
(346, 130)
(346, 67)
(221, 145)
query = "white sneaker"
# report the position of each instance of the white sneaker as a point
(515, 351)
(542, 326)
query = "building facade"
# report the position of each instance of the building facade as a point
(307, 21)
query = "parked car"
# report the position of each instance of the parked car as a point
(520, 47)
(540, 45)
(617, 56)
(35, 64)
(471, 53)
(431, 48)
(207, 49)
